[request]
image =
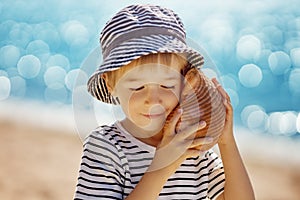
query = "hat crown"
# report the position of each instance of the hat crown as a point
(139, 20)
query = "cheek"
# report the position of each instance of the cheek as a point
(170, 95)
(130, 102)
(171, 100)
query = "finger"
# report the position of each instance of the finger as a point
(171, 124)
(193, 153)
(201, 125)
(205, 147)
(187, 132)
(215, 81)
(229, 110)
(201, 141)
(228, 105)
(221, 89)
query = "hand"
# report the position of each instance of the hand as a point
(174, 147)
(227, 133)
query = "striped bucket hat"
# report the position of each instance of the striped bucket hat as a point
(136, 31)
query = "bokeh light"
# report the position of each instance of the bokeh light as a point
(298, 123)
(5, 87)
(255, 118)
(29, 66)
(295, 57)
(273, 35)
(258, 121)
(54, 77)
(283, 123)
(75, 33)
(279, 62)
(248, 47)
(9, 56)
(74, 78)
(18, 86)
(288, 123)
(217, 31)
(48, 33)
(250, 75)
(275, 120)
(229, 82)
(39, 48)
(21, 34)
(58, 60)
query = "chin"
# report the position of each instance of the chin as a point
(153, 127)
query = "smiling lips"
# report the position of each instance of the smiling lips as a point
(153, 116)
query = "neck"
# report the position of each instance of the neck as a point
(152, 138)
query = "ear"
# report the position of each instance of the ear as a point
(109, 87)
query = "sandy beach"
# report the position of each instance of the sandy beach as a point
(40, 163)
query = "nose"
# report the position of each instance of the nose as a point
(152, 95)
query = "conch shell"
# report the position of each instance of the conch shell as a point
(201, 101)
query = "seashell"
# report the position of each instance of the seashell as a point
(201, 101)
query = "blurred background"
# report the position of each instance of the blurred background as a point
(48, 49)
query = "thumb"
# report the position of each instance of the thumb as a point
(171, 122)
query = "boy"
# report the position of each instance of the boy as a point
(144, 156)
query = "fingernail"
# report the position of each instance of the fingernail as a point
(215, 80)
(202, 124)
(179, 111)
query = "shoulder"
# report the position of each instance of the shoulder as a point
(106, 133)
(212, 158)
(104, 140)
(214, 163)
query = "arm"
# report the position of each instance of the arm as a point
(237, 185)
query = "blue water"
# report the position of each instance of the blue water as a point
(255, 46)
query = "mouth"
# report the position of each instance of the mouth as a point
(154, 115)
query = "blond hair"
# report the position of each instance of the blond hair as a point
(111, 77)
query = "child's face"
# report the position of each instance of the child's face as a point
(148, 93)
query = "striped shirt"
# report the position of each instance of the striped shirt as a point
(114, 161)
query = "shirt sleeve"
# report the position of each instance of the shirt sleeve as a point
(101, 173)
(216, 175)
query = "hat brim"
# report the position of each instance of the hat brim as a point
(133, 49)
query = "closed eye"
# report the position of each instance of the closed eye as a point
(137, 89)
(167, 87)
